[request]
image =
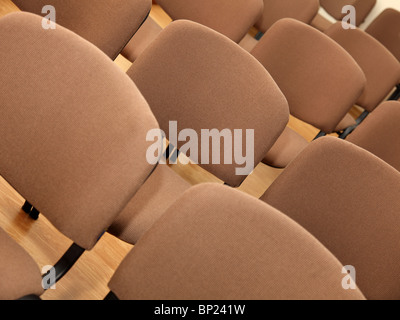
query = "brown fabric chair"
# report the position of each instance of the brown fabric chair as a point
(380, 67)
(185, 77)
(19, 274)
(73, 128)
(226, 245)
(379, 133)
(350, 201)
(231, 18)
(274, 10)
(363, 8)
(386, 29)
(320, 80)
(109, 24)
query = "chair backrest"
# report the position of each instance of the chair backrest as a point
(109, 24)
(231, 18)
(226, 245)
(274, 10)
(320, 80)
(386, 29)
(379, 132)
(73, 127)
(350, 201)
(19, 274)
(380, 67)
(335, 8)
(199, 78)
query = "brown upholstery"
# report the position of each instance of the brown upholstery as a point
(350, 201)
(231, 18)
(19, 274)
(346, 122)
(318, 77)
(334, 8)
(321, 22)
(274, 10)
(379, 133)
(380, 67)
(286, 148)
(386, 29)
(143, 37)
(73, 127)
(109, 24)
(186, 76)
(161, 190)
(216, 243)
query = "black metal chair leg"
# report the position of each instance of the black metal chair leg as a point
(63, 265)
(34, 214)
(27, 207)
(30, 210)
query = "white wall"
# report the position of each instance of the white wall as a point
(379, 7)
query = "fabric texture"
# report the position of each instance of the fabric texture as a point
(320, 80)
(19, 274)
(289, 145)
(386, 29)
(349, 200)
(346, 122)
(231, 18)
(274, 10)
(109, 24)
(379, 133)
(380, 67)
(73, 127)
(147, 33)
(160, 191)
(225, 245)
(204, 81)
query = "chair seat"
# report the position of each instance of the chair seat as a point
(141, 40)
(347, 121)
(19, 274)
(289, 145)
(162, 188)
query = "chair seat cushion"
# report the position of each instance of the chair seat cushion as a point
(162, 188)
(286, 149)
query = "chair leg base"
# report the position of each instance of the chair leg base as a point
(30, 210)
(27, 207)
(34, 214)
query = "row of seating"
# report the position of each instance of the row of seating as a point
(235, 21)
(69, 138)
(380, 67)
